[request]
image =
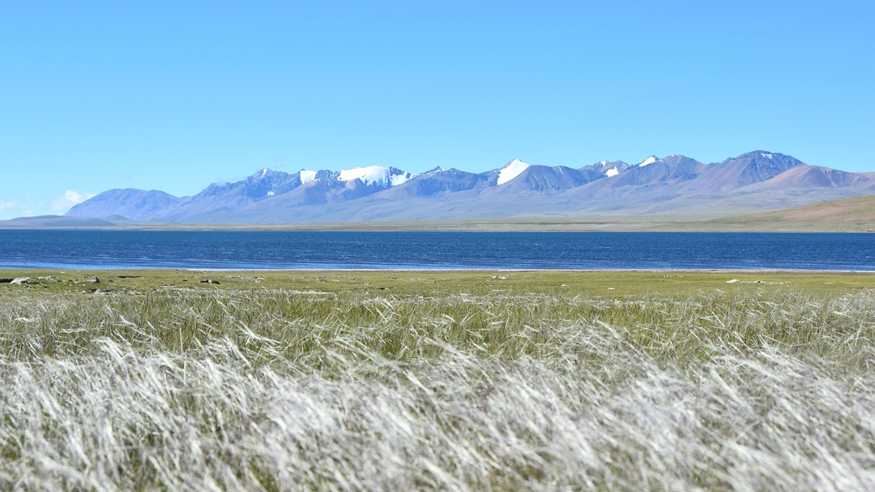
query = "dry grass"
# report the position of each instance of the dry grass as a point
(281, 389)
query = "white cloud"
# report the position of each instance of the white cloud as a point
(8, 209)
(69, 199)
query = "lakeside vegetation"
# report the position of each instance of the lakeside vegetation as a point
(437, 380)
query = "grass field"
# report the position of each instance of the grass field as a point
(444, 380)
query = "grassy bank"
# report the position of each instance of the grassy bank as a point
(603, 284)
(486, 380)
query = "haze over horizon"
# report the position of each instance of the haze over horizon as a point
(101, 96)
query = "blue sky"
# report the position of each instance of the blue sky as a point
(101, 95)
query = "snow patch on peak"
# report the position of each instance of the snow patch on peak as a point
(646, 162)
(612, 172)
(270, 193)
(767, 155)
(513, 169)
(260, 174)
(375, 175)
(367, 174)
(307, 176)
(399, 179)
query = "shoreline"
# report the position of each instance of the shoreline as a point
(672, 227)
(598, 283)
(74, 268)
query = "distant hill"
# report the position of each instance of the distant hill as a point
(670, 186)
(61, 221)
(854, 214)
(132, 204)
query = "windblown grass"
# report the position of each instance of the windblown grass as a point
(282, 389)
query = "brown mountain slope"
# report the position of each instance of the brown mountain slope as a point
(854, 214)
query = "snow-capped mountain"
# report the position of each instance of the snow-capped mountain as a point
(673, 184)
(375, 175)
(307, 176)
(608, 169)
(510, 171)
(648, 161)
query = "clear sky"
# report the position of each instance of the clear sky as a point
(101, 95)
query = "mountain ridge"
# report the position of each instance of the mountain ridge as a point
(750, 182)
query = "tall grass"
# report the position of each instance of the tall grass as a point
(282, 390)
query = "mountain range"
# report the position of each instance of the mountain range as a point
(674, 185)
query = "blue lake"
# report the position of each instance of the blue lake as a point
(433, 250)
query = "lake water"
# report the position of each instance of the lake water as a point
(433, 250)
